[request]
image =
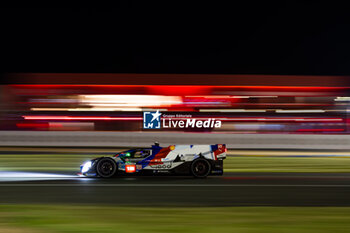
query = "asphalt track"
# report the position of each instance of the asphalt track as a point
(244, 189)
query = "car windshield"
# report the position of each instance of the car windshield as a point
(138, 153)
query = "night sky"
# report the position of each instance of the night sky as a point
(283, 38)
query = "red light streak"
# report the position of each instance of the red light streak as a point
(179, 90)
(176, 86)
(256, 119)
(32, 125)
(68, 118)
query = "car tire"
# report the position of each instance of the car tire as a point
(200, 168)
(106, 168)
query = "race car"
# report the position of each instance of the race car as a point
(197, 160)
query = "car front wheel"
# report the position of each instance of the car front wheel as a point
(106, 168)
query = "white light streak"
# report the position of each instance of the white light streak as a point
(342, 98)
(300, 111)
(129, 100)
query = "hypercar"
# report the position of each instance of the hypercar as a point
(196, 160)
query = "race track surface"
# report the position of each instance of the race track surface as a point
(232, 189)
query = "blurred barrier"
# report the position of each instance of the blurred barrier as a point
(135, 139)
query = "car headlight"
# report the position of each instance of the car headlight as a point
(86, 166)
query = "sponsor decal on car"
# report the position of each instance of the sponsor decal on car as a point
(162, 166)
(130, 168)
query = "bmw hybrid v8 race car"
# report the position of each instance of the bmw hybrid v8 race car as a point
(197, 160)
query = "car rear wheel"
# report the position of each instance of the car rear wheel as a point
(106, 167)
(200, 168)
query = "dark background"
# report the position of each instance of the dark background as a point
(292, 38)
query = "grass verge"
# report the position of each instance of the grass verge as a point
(54, 218)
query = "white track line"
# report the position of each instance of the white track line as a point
(174, 185)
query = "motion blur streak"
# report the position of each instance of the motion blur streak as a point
(129, 100)
(80, 118)
(246, 104)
